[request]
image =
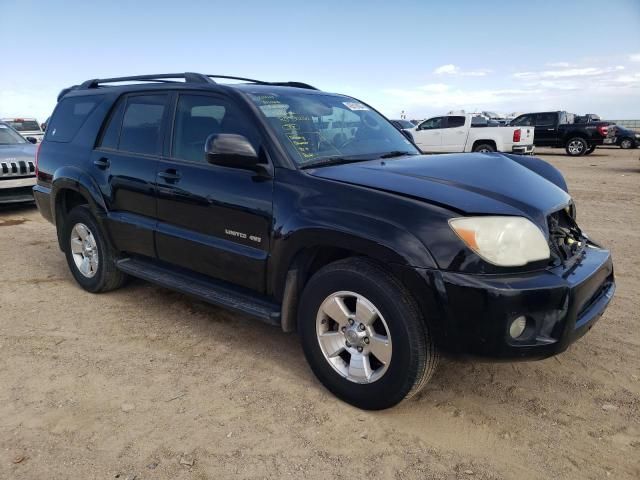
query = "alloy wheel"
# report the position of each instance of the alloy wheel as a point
(576, 147)
(84, 250)
(354, 337)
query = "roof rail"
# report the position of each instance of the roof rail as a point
(189, 77)
(262, 82)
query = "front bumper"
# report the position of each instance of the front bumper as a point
(16, 190)
(560, 304)
(523, 149)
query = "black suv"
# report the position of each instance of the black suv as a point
(310, 211)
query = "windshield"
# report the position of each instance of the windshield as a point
(24, 125)
(316, 127)
(9, 136)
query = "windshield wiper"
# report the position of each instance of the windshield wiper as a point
(396, 153)
(324, 162)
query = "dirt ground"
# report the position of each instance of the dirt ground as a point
(146, 383)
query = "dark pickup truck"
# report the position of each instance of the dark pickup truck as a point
(578, 135)
(246, 196)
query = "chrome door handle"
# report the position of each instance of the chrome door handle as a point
(102, 163)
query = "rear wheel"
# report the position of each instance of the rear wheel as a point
(576, 146)
(90, 258)
(626, 143)
(363, 335)
(484, 148)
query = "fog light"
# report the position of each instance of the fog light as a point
(517, 327)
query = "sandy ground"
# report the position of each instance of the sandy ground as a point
(147, 383)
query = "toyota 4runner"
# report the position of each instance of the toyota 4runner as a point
(248, 196)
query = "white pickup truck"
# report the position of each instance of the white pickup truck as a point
(468, 133)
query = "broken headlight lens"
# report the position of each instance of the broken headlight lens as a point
(503, 241)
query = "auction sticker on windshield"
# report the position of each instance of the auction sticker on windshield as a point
(355, 106)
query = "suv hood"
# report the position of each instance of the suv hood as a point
(18, 152)
(471, 183)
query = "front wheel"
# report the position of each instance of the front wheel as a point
(576, 146)
(363, 335)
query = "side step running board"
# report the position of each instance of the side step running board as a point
(205, 289)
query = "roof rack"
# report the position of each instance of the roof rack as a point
(188, 77)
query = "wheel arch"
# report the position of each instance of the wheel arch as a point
(70, 188)
(308, 256)
(572, 135)
(487, 141)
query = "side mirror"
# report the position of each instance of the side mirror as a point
(230, 150)
(407, 134)
(32, 140)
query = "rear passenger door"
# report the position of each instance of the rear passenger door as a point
(125, 165)
(454, 136)
(546, 129)
(213, 220)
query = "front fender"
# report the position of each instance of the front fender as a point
(367, 236)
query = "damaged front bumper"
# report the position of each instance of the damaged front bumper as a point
(560, 305)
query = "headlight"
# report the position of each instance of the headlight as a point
(504, 241)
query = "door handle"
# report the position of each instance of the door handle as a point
(102, 163)
(170, 175)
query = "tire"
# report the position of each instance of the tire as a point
(410, 356)
(484, 148)
(626, 143)
(576, 146)
(590, 150)
(90, 259)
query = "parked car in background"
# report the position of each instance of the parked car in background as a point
(626, 138)
(403, 124)
(44, 124)
(27, 127)
(468, 133)
(559, 129)
(17, 166)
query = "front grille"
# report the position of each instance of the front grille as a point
(566, 240)
(16, 168)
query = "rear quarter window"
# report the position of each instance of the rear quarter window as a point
(69, 116)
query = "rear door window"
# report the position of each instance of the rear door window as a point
(545, 119)
(455, 122)
(141, 124)
(69, 116)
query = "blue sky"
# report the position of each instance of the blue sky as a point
(419, 56)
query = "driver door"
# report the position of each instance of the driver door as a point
(428, 135)
(212, 219)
